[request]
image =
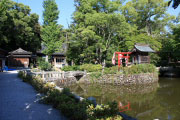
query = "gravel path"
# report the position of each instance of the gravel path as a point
(19, 101)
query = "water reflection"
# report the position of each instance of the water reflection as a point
(106, 93)
(159, 100)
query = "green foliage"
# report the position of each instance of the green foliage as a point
(154, 42)
(19, 27)
(71, 68)
(67, 102)
(43, 65)
(87, 67)
(51, 38)
(95, 75)
(139, 68)
(50, 31)
(148, 16)
(98, 30)
(155, 58)
(50, 12)
(134, 69)
(91, 67)
(111, 70)
(170, 46)
(102, 27)
(20, 74)
(102, 111)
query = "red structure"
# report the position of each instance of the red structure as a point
(124, 108)
(120, 56)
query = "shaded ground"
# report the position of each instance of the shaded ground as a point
(19, 101)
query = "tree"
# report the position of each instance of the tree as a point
(50, 32)
(148, 16)
(175, 3)
(98, 30)
(18, 28)
(176, 42)
(50, 12)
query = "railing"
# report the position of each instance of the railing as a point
(49, 74)
(54, 75)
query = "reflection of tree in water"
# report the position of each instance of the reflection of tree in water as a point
(107, 93)
(141, 97)
(148, 102)
(168, 97)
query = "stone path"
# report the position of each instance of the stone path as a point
(19, 101)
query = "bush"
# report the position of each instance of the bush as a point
(111, 70)
(102, 111)
(71, 68)
(87, 67)
(43, 65)
(91, 67)
(140, 68)
(95, 75)
(69, 105)
(20, 74)
(134, 69)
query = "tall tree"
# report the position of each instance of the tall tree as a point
(50, 32)
(99, 29)
(149, 16)
(18, 28)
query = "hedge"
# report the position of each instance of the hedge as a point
(69, 105)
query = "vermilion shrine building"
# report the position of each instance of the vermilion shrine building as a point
(138, 55)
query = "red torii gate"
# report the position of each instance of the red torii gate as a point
(120, 56)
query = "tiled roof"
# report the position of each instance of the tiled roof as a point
(144, 48)
(20, 51)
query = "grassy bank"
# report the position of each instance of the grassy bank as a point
(97, 71)
(69, 104)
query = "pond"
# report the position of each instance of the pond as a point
(147, 102)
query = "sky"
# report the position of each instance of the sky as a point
(67, 8)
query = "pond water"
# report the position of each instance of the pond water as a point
(147, 102)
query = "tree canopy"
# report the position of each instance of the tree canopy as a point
(19, 27)
(101, 27)
(50, 31)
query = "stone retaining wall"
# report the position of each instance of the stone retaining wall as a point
(66, 81)
(117, 79)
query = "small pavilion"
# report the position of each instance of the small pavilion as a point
(19, 58)
(59, 60)
(140, 53)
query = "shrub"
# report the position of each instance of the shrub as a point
(87, 67)
(91, 67)
(71, 68)
(43, 65)
(95, 75)
(111, 70)
(102, 111)
(69, 105)
(134, 69)
(20, 74)
(140, 68)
